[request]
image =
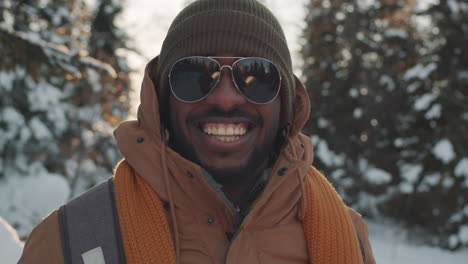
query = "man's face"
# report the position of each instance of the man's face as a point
(225, 133)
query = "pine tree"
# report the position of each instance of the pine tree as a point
(438, 90)
(389, 109)
(353, 58)
(58, 107)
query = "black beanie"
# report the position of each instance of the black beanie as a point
(241, 27)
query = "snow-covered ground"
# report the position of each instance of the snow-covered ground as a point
(391, 246)
(10, 246)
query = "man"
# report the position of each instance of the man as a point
(216, 169)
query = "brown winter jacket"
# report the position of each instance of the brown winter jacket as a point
(272, 231)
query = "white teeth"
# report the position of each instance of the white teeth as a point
(227, 139)
(221, 131)
(224, 130)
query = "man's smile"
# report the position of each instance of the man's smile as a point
(225, 132)
(236, 136)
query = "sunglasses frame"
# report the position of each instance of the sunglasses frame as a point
(221, 67)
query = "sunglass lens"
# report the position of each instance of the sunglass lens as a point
(193, 78)
(258, 79)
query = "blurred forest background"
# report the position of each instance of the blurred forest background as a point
(388, 82)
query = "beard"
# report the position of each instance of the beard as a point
(261, 155)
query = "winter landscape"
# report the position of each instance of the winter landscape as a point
(389, 88)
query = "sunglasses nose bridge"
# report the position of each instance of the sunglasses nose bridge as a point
(222, 67)
(225, 94)
(225, 66)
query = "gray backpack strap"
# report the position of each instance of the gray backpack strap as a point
(90, 229)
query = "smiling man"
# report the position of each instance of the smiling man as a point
(231, 127)
(215, 169)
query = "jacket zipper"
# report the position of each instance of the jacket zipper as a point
(234, 209)
(239, 229)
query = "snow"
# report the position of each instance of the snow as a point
(25, 200)
(43, 96)
(6, 80)
(377, 176)
(404, 142)
(413, 87)
(13, 120)
(420, 72)
(94, 79)
(387, 81)
(457, 7)
(88, 138)
(71, 167)
(357, 113)
(453, 241)
(461, 170)
(353, 92)
(434, 112)
(395, 33)
(57, 113)
(429, 181)
(322, 122)
(443, 150)
(88, 167)
(8, 17)
(447, 183)
(406, 187)
(337, 174)
(326, 155)
(410, 172)
(462, 75)
(39, 129)
(393, 245)
(424, 101)
(463, 234)
(10, 245)
(364, 4)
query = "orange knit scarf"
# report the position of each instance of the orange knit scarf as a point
(331, 237)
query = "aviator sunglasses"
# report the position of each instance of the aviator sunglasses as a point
(192, 79)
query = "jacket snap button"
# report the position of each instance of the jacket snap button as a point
(302, 145)
(210, 220)
(140, 140)
(282, 171)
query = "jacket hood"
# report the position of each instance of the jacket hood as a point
(140, 141)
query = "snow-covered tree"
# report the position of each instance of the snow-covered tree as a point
(389, 127)
(58, 107)
(354, 57)
(437, 134)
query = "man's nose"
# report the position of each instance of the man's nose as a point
(225, 95)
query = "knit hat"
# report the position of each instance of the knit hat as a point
(241, 27)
